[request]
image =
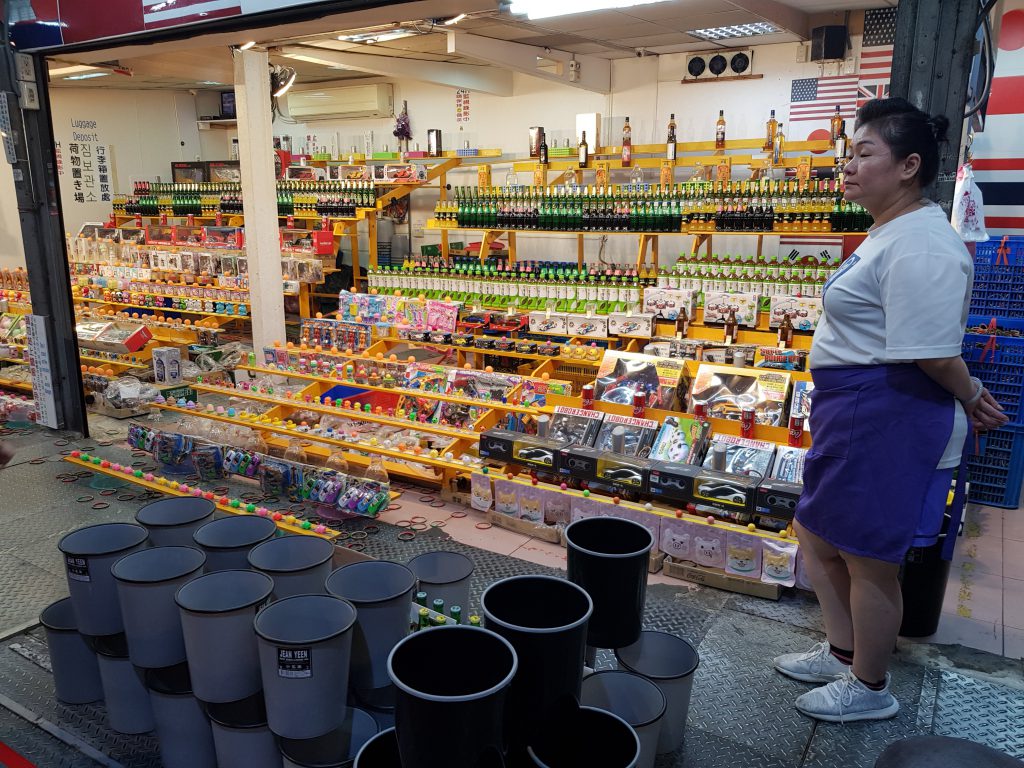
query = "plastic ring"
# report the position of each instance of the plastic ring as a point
(343, 535)
(84, 499)
(71, 479)
(105, 443)
(358, 535)
(459, 515)
(37, 461)
(426, 499)
(300, 508)
(221, 489)
(356, 546)
(418, 526)
(108, 492)
(406, 536)
(83, 475)
(437, 524)
(393, 507)
(483, 526)
(438, 504)
(267, 499)
(100, 505)
(418, 519)
(403, 523)
(137, 464)
(371, 529)
(139, 454)
(62, 442)
(88, 448)
(66, 453)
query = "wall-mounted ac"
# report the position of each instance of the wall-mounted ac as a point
(342, 103)
(719, 64)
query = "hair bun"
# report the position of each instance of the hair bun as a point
(939, 125)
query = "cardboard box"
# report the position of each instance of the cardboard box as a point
(718, 303)
(775, 504)
(721, 580)
(129, 338)
(624, 324)
(670, 303)
(526, 527)
(804, 311)
(545, 322)
(167, 365)
(593, 327)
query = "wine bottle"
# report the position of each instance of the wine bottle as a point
(841, 143)
(770, 128)
(543, 150)
(670, 150)
(627, 145)
(720, 130)
(584, 151)
(835, 126)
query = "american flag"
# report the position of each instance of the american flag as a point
(876, 54)
(168, 13)
(816, 98)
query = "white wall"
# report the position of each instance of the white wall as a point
(12, 250)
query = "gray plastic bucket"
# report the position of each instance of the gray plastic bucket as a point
(545, 620)
(76, 675)
(337, 749)
(171, 522)
(216, 613)
(380, 752)
(451, 682)
(186, 740)
(381, 591)
(587, 736)
(444, 575)
(305, 645)
(299, 565)
(669, 662)
(635, 699)
(227, 541)
(126, 698)
(146, 584)
(88, 554)
(241, 734)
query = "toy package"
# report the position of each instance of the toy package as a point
(629, 324)
(727, 391)
(681, 439)
(708, 547)
(364, 497)
(582, 507)
(778, 562)
(535, 391)
(670, 303)
(743, 555)
(801, 403)
(803, 581)
(741, 455)
(593, 327)
(638, 435)
(277, 478)
(546, 322)
(718, 304)
(789, 464)
(442, 316)
(804, 311)
(575, 425)
(556, 507)
(426, 378)
(481, 495)
(623, 374)
(480, 385)
(171, 449)
(208, 461)
(781, 359)
(245, 463)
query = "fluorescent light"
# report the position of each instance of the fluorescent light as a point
(70, 69)
(455, 20)
(247, 46)
(545, 9)
(87, 76)
(369, 38)
(737, 30)
(209, 82)
(283, 89)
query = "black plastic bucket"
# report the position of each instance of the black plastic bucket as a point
(76, 675)
(182, 728)
(241, 735)
(545, 620)
(608, 557)
(337, 749)
(586, 736)
(452, 682)
(171, 522)
(380, 752)
(227, 541)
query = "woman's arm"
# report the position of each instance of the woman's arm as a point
(952, 375)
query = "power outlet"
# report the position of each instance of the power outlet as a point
(803, 51)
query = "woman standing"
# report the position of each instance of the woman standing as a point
(891, 406)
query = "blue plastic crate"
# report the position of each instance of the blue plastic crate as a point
(997, 469)
(1002, 372)
(999, 277)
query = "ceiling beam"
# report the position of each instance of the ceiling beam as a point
(475, 78)
(780, 15)
(594, 74)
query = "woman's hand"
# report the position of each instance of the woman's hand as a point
(984, 412)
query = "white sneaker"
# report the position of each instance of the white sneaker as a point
(818, 665)
(847, 700)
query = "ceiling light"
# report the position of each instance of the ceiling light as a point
(737, 30)
(70, 69)
(455, 20)
(247, 46)
(87, 76)
(287, 80)
(369, 38)
(209, 82)
(544, 9)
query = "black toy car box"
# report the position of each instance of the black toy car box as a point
(776, 503)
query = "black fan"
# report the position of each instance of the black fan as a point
(740, 63)
(718, 64)
(696, 66)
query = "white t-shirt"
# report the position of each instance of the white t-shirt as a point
(902, 296)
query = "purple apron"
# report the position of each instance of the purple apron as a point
(870, 476)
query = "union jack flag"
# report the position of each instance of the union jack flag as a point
(876, 55)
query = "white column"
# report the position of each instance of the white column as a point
(259, 191)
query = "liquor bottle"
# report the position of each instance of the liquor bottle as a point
(835, 126)
(584, 151)
(770, 128)
(778, 146)
(720, 130)
(543, 150)
(841, 143)
(627, 145)
(670, 149)
(786, 332)
(731, 326)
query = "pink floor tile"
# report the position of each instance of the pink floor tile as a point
(984, 554)
(1013, 524)
(983, 521)
(976, 595)
(958, 630)
(542, 553)
(1013, 603)
(1013, 643)
(1013, 559)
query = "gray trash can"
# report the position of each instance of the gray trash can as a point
(216, 612)
(299, 565)
(76, 674)
(337, 749)
(305, 644)
(146, 584)
(186, 740)
(445, 576)
(635, 699)
(127, 700)
(171, 522)
(88, 555)
(227, 541)
(241, 734)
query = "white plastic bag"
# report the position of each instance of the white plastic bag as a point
(968, 209)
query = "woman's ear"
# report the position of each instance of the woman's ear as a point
(910, 167)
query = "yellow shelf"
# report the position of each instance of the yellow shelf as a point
(14, 360)
(104, 361)
(21, 386)
(432, 224)
(166, 309)
(499, 353)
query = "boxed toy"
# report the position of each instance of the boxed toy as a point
(804, 311)
(593, 327)
(789, 464)
(611, 470)
(727, 390)
(776, 504)
(628, 324)
(781, 359)
(120, 337)
(518, 448)
(167, 365)
(740, 455)
(681, 440)
(622, 374)
(800, 405)
(725, 494)
(670, 303)
(717, 305)
(575, 425)
(637, 435)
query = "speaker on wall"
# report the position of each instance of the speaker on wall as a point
(828, 42)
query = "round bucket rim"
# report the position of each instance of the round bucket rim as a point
(631, 729)
(617, 556)
(189, 499)
(105, 553)
(147, 553)
(620, 672)
(49, 625)
(356, 602)
(350, 621)
(537, 630)
(247, 604)
(631, 668)
(422, 580)
(308, 566)
(222, 548)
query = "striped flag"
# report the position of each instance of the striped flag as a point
(816, 98)
(998, 150)
(169, 13)
(876, 54)
(793, 248)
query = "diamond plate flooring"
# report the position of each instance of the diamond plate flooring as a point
(741, 713)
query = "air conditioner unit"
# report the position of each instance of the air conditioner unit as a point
(711, 66)
(342, 103)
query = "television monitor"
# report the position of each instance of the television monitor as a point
(227, 105)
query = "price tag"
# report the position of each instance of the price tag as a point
(679, 335)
